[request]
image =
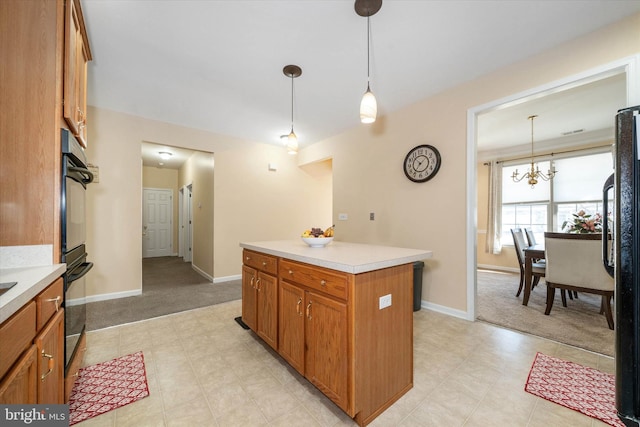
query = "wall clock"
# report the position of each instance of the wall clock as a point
(422, 163)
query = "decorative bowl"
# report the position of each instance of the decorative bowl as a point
(317, 242)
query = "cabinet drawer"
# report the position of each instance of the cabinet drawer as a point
(317, 278)
(49, 302)
(266, 263)
(19, 330)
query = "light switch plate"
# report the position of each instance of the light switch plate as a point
(343, 217)
(385, 301)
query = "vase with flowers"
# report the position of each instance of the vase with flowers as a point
(583, 223)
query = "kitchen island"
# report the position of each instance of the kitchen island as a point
(341, 315)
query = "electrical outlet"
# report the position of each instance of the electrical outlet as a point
(372, 216)
(385, 301)
(343, 217)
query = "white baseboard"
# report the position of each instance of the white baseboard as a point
(227, 278)
(444, 310)
(499, 268)
(103, 297)
(202, 273)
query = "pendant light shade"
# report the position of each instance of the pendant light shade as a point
(292, 71)
(368, 107)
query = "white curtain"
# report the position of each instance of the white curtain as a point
(494, 216)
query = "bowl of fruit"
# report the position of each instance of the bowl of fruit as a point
(316, 238)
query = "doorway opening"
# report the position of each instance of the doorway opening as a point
(626, 69)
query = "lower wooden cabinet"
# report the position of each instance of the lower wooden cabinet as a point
(313, 339)
(50, 344)
(32, 348)
(20, 384)
(260, 296)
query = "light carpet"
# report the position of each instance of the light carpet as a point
(580, 324)
(583, 389)
(107, 386)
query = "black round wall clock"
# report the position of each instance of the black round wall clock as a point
(422, 163)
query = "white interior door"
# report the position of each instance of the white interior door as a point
(157, 218)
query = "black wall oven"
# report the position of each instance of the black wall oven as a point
(75, 178)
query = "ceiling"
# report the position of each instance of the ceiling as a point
(217, 65)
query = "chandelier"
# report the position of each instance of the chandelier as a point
(534, 174)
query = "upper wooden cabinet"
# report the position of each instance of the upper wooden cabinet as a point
(76, 56)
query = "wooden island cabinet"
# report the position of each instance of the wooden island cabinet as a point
(344, 318)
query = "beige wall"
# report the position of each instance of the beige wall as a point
(252, 203)
(154, 177)
(198, 172)
(433, 215)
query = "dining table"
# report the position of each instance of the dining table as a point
(534, 252)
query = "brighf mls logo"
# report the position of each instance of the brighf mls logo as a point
(34, 415)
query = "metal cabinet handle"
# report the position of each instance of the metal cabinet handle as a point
(309, 310)
(51, 364)
(258, 284)
(55, 300)
(251, 283)
(298, 307)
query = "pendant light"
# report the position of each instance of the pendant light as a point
(292, 71)
(534, 174)
(368, 105)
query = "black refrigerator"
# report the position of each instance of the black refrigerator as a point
(627, 265)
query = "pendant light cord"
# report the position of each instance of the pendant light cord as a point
(368, 43)
(291, 102)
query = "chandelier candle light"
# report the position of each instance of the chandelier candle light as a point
(534, 174)
(368, 105)
(292, 71)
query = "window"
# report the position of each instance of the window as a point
(577, 186)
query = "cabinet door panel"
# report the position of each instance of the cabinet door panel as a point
(291, 325)
(249, 300)
(20, 384)
(51, 361)
(267, 288)
(327, 348)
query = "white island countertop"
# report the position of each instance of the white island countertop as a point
(351, 258)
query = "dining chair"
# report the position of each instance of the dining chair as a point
(531, 238)
(537, 269)
(574, 263)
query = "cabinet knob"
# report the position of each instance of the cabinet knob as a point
(323, 282)
(290, 271)
(264, 263)
(248, 258)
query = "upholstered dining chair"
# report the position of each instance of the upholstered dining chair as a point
(574, 263)
(537, 269)
(531, 238)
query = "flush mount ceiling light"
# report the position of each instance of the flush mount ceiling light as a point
(368, 105)
(165, 155)
(534, 174)
(292, 71)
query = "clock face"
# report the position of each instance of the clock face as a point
(422, 163)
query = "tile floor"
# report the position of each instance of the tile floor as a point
(205, 370)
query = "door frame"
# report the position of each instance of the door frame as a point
(629, 65)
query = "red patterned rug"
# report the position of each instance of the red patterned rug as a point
(574, 386)
(106, 386)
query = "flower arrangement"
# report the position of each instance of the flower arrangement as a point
(583, 223)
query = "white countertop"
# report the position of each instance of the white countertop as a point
(31, 281)
(351, 258)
